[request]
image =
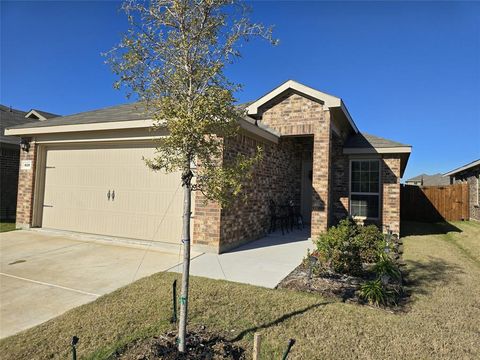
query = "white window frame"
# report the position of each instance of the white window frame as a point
(379, 193)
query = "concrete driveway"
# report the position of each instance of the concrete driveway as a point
(43, 275)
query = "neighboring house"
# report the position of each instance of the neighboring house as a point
(469, 173)
(10, 154)
(88, 174)
(428, 180)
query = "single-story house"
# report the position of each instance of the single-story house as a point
(428, 180)
(10, 154)
(469, 173)
(87, 173)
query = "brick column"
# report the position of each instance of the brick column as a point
(321, 174)
(391, 193)
(206, 219)
(206, 224)
(26, 184)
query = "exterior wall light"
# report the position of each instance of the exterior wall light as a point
(25, 144)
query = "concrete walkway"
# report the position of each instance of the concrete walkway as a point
(264, 262)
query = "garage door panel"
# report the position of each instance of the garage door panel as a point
(147, 205)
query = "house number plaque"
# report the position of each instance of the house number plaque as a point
(26, 165)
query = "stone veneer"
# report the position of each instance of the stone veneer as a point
(472, 177)
(26, 183)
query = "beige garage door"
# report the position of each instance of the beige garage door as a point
(109, 190)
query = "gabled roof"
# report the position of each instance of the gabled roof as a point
(255, 109)
(462, 168)
(40, 115)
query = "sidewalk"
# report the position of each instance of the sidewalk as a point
(264, 262)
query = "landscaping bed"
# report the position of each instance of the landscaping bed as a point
(200, 345)
(341, 287)
(353, 263)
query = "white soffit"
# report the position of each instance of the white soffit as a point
(384, 150)
(465, 167)
(80, 127)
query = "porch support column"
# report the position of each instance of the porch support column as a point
(321, 174)
(26, 185)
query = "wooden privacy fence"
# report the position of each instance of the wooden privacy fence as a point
(434, 203)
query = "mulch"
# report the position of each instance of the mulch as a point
(332, 285)
(201, 344)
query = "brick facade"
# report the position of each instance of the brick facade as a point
(390, 180)
(276, 177)
(9, 160)
(306, 135)
(389, 194)
(296, 115)
(340, 167)
(26, 183)
(472, 177)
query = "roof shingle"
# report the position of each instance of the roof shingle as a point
(364, 140)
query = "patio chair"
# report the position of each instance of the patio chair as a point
(295, 218)
(278, 216)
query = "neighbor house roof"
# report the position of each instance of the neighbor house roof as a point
(462, 168)
(9, 118)
(40, 115)
(430, 180)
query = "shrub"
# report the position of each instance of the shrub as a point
(374, 292)
(345, 247)
(338, 249)
(370, 242)
(385, 266)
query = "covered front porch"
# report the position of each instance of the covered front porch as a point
(264, 262)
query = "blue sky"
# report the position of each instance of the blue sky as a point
(408, 71)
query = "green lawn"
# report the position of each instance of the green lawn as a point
(7, 226)
(441, 323)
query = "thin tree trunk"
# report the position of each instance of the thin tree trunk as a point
(187, 203)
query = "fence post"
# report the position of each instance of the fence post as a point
(257, 341)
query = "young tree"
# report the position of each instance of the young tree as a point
(173, 58)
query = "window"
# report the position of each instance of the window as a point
(365, 188)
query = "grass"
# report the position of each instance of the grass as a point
(7, 226)
(442, 322)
